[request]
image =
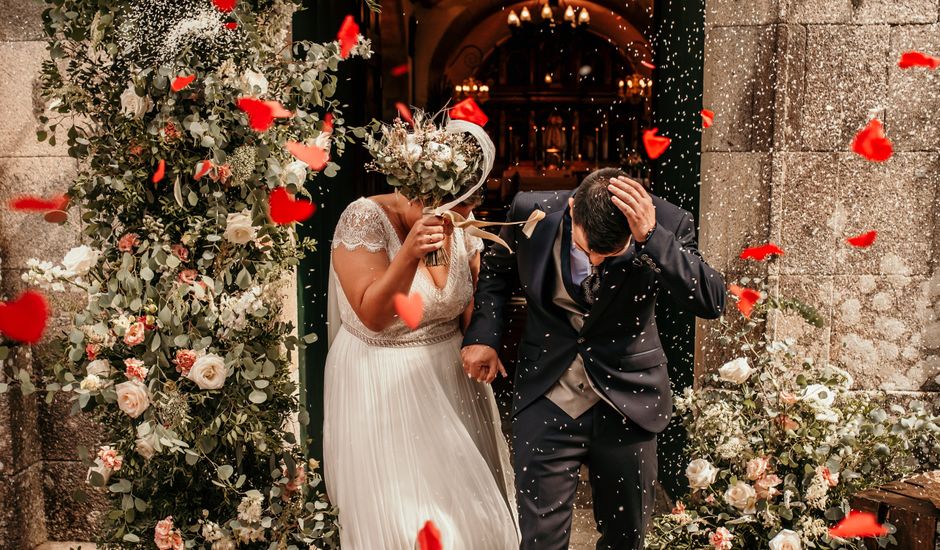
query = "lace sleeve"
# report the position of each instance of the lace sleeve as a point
(361, 226)
(473, 244)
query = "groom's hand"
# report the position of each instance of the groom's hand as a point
(636, 204)
(482, 363)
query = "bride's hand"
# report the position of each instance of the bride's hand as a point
(426, 236)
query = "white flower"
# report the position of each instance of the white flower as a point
(297, 171)
(238, 228)
(441, 152)
(249, 509)
(91, 383)
(786, 540)
(99, 367)
(132, 397)
(81, 259)
(742, 496)
(701, 473)
(144, 447)
(736, 371)
(132, 105)
(323, 141)
(818, 396)
(254, 83)
(208, 372)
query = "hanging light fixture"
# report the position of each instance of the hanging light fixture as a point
(524, 15)
(473, 89)
(570, 14)
(547, 13)
(513, 19)
(584, 18)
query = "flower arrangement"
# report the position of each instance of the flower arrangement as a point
(779, 445)
(182, 353)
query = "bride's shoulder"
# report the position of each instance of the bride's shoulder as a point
(361, 225)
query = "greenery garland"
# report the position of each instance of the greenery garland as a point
(182, 353)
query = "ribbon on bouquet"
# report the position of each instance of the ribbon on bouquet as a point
(471, 226)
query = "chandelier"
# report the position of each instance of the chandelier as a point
(569, 14)
(473, 89)
(635, 88)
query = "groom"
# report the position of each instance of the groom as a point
(591, 385)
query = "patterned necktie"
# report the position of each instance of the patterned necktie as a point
(591, 285)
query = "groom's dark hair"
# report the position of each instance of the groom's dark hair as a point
(604, 225)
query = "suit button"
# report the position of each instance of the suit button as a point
(581, 340)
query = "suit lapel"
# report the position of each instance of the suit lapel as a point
(543, 242)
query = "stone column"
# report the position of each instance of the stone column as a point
(791, 82)
(39, 471)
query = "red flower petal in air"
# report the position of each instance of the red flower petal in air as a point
(348, 36)
(400, 70)
(746, 299)
(202, 168)
(160, 172)
(429, 538)
(284, 209)
(648, 65)
(708, 118)
(24, 319)
(871, 143)
(28, 203)
(471, 112)
(278, 110)
(181, 82)
(315, 157)
(759, 253)
(231, 25)
(224, 6)
(655, 145)
(918, 59)
(260, 115)
(858, 524)
(327, 124)
(864, 240)
(405, 113)
(410, 310)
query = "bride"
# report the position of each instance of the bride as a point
(408, 437)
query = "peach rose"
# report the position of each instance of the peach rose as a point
(765, 487)
(180, 252)
(184, 361)
(132, 397)
(788, 398)
(721, 539)
(757, 468)
(129, 242)
(188, 276)
(135, 369)
(135, 334)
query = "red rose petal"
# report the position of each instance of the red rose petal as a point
(181, 82)
(405, 113)
(202, 168)
(708, 118)
(864, 240)
(429, 538)
(410, 309)
(278, 110)
(918, 59)
(471, 112)
(759, 253)
(315, 157)
(284, 209)
(260, 114)
(655, 145)
(25, 318)
(746, 299)
(160, 172)
(348, 36)
(327, 123)
(224, 6)
(231, 25)
(648, 65)
(27, 203)
(858, 524)
(400, 70)
(871, 143)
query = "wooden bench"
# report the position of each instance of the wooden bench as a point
(911, 505)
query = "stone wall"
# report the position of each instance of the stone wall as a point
(791, 82)
(39, 471)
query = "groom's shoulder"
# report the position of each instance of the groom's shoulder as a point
(669, 212)
(548, 201)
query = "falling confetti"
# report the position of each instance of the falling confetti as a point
(469, 110)
(858, 524)
(708, 118)
(315, 157)
(261, 114)
(429, 538)
(400, 70)
(918, 59)
(160, 171)
(181, 82)
(655, 145)
(28, 203)
(348, 36)
(760, 253)
(747, 297)
(224, 6)
(871, 142)
(25, 318)
(405, 113)
(285, 209)
(864, 240)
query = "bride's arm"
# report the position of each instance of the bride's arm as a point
(371, 282)
(475, 273)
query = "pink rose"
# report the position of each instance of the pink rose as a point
(765, 487)
(788, 398)
(166, 537)
(721, 539)
(188, 276)
(135, 334)
(128, 242)
(135, 369)
(91, 350)
(184, 360)
(110, 458)
(757, 468)
(180, 252)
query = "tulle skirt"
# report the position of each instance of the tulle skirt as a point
(409, 438)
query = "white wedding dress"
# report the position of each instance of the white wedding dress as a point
(407, 436)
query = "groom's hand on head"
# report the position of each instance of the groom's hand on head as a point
(482, 363)
(636, 204)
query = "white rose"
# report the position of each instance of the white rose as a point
(238, 228)
(701, 473)
(91, 383)
(737, 371)
(297, 169)
(324, 141)
(818, 396)
(132, 397)
(99, 367)
(144, 447)
(254, 83)
(742, 496)
(786, 540)
(132, 105)
(208, 372)
(81, 259)
(441, 152)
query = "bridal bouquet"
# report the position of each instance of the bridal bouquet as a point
(779, 445)
(426, 161)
